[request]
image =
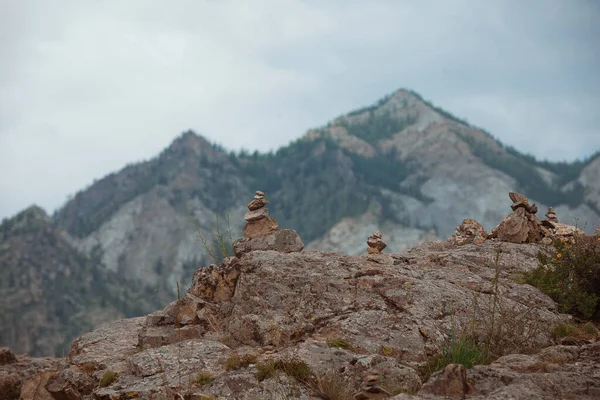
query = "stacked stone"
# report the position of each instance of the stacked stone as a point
(469, 231)
(258, 222)
(375, 244)
(522, 225)
(549, 224)
(551, 215)
(521, 201)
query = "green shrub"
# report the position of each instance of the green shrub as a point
(460, 349)
(332, 386)
(221, 245)
(339, 343)
(293, 367)
(108, 378)
(496, 328)
(237, 362)
(202, 378)
(570, 275)
(265, 370)
(582, 331)
(563, 330)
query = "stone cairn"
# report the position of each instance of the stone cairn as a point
(551, 215)
(523, 226)
(258, 222)
(520, 226)
(469, 231)
(375, 244)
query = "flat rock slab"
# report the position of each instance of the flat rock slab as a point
(284, 240)
(109, 342)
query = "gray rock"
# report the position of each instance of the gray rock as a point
(390, 315)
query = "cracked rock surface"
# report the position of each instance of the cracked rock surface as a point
(392, 311)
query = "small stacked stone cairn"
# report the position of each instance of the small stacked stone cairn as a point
(551, 215)
(376, 245)
(370, 389)
(258, 222)
(469, 231)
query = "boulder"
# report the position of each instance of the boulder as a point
(260, 227)
(451, 383)
(519, 227)
(469, 231)
(285, 241)
(6, 356)
(375, 244)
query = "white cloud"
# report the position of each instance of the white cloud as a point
(93, 85)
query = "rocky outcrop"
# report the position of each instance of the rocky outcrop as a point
(267, 310)
(520, 226)
(557, 372)
(15, 370)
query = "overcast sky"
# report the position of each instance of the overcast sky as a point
(88, 86)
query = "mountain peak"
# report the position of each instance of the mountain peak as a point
(30, 219)
(33, 212)
(191, 140)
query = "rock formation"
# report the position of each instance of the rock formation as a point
(15, 370)
(470, 231)
(375, 244)
(523, 226)
(451, 382)
(268, 306)
(258, 222)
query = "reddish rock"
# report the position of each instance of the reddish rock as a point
(285, 241)
(276, 305)
(451, 383)
(375, 244)
(519, 227)
(35, 389)
(260, 227)
(257, 203)
(6, 356)
(520, 201)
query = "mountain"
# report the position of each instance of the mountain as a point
(401, 166)
(50, 292)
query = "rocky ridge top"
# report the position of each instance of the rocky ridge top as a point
(275, 319)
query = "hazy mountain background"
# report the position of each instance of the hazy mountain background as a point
(121, 246)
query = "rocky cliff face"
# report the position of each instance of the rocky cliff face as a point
(401, 166)
(302, 324)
